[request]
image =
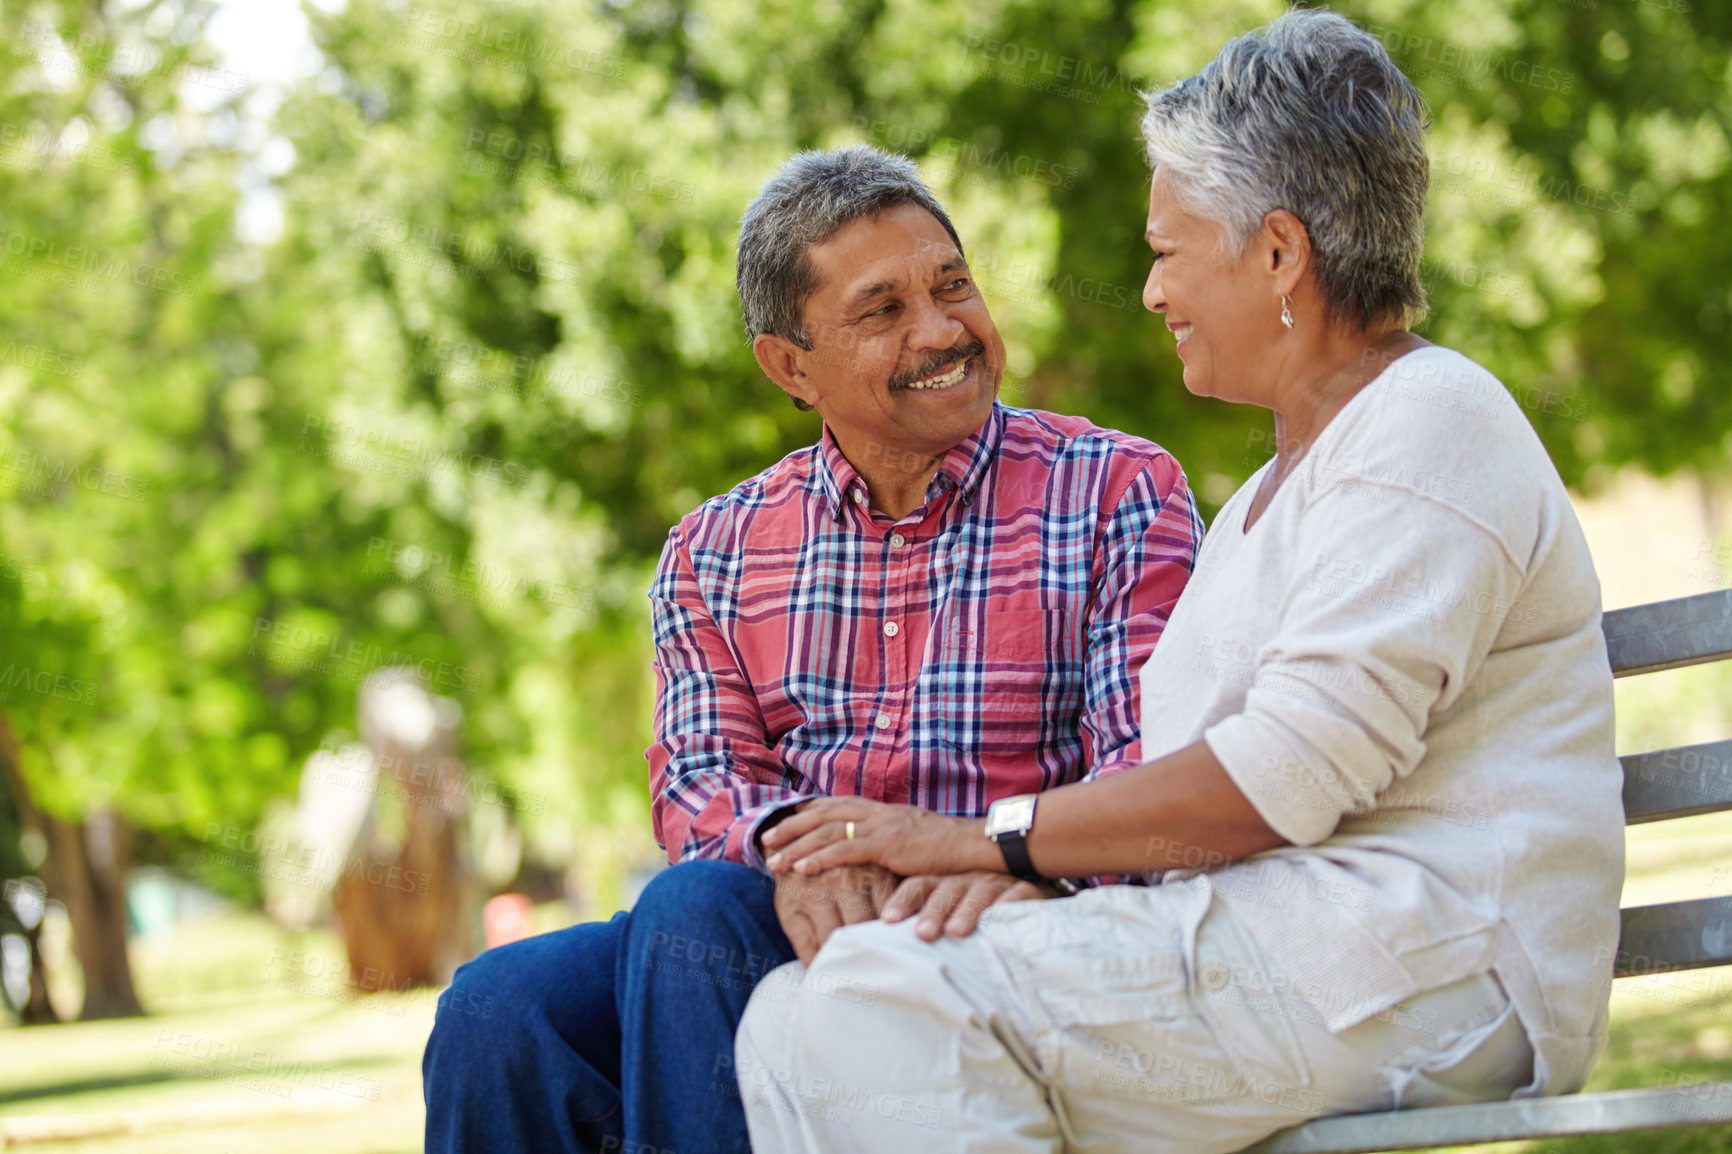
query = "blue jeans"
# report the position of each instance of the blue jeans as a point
(613, 1037)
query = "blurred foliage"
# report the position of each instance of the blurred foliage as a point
(416, 361)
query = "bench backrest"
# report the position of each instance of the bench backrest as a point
(1678, 782)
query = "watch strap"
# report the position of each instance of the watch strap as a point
(1015, 850)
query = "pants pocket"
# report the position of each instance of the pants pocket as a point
(1251, 1006)
(1166, 996)
(1111, 956)
(1487, 1063)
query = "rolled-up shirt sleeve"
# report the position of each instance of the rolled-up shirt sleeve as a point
(1146, 554)
(1395, 603)
(713, 777)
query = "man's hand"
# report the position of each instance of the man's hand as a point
(952, 903)
(810, 907)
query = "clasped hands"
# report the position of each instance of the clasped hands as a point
(900, 860)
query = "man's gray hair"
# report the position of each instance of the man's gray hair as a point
(1310, 115)
(812, 196)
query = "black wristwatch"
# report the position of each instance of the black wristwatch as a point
(1008, 821)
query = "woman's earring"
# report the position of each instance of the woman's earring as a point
(1286, 312)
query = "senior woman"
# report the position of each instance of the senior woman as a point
(1381, 797)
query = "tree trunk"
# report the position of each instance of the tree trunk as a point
(404, 909)
(37, 1009)
(86, 872)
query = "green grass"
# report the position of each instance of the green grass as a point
(253, 1044)
(240, 1053)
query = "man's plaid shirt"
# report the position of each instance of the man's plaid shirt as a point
(985, 645)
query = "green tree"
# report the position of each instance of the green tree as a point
(445, 414)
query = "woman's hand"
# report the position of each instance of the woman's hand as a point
(904, 839)
(953, 904)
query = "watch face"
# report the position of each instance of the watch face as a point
(1009, 815)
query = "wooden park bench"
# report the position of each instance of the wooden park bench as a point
(1667, 783)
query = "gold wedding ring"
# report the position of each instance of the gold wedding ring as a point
(848, 831)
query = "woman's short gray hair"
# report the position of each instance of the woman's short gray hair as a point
(812, 196)
(1310, 115)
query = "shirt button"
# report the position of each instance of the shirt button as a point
(882, 721)
(1215, 976)
(897, 541)
(891, 629)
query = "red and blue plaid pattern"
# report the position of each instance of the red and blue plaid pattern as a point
(986, 645)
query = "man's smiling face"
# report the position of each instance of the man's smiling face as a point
(904, 355)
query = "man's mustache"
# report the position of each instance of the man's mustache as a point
(950, 356)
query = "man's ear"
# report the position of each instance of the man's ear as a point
(1285, 249)
(783, 362)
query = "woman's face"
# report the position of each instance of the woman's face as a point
(1221, 311)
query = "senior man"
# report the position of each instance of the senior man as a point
(942, 603)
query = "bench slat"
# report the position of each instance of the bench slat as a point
(1669, 634)
(1608, 1113)
(1675, 936)
(1681, 782)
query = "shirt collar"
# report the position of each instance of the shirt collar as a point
(963, 467)
(966, 465)
(836, 477)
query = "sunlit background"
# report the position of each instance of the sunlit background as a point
(355, 359)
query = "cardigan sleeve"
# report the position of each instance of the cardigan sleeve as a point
(1394, 601)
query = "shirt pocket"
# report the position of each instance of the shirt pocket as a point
(997, 686)
(1015, 636)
